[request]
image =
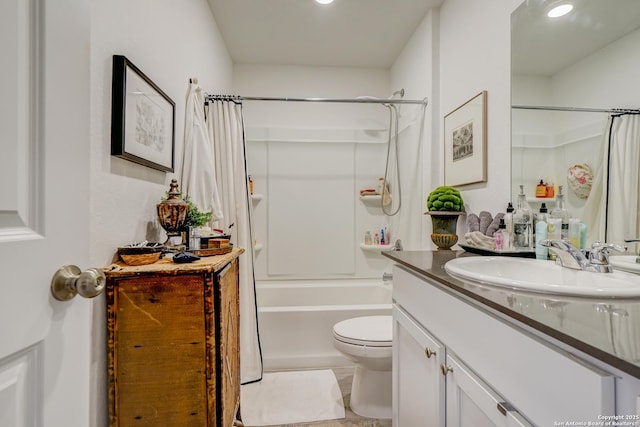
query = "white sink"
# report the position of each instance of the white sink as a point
(543, 277)
(625, 263)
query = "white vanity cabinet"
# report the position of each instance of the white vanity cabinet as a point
(472, 403)
(418, 384)
(497, 374)
(429, 383)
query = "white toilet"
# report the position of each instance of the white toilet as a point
(366, 341)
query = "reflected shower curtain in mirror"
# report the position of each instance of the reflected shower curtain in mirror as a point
(226, 127)
(612, 210)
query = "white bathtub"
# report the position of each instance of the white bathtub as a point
(296, 318)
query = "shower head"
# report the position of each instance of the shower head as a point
(398, 92)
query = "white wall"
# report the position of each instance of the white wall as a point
(312, 210)
(170, 42)
(416, 70)
(475, 46)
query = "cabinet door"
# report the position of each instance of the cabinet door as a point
(156, 351)
(418, 385)
(471, 403)
(229, 339)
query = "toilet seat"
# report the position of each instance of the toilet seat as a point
(367, 331)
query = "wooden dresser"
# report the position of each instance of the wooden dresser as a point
(173, 343)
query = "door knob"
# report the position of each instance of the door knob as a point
(69, 281)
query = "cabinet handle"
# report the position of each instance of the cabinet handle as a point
(445, 369)
(429, 353)
(504, 407)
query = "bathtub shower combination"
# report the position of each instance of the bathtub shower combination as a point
(296, 318)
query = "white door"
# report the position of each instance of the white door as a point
(44, 210)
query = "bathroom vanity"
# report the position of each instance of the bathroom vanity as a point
(173, 343)
(479, 355)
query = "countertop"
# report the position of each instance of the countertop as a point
(608, 330)
(167, 266)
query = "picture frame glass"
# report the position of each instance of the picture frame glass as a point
(149, 130)
(465, 143)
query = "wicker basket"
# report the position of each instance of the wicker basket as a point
(140, 255)
(140, 259)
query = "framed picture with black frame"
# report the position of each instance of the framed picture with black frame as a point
(142, 118)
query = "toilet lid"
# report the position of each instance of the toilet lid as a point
(374, 331)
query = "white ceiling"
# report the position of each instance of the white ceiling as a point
(371, 33)
(543, 46)
(347, 33)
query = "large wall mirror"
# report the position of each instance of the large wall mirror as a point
(570, 76)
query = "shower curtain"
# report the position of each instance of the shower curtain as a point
(226, 128)
(612, 209)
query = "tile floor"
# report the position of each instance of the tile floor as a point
(344, 376)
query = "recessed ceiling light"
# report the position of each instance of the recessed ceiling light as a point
(559, 10)
(324, 1)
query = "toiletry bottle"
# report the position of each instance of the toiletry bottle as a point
(508, 220)
(522, 224)
(561, 212)
(250, 185)
(574, 232)
(502, 236)
(551, 191)
(367, 238)
(541, 232)
(376, 239)
(541, 189)
(382, 240)
(583, 236)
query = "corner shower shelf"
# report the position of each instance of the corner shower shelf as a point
(376, 248)
(372, 198)
(256, 197)
(257, 247)
(541, 199)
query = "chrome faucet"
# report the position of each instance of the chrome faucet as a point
(567, 255)
(397, 246)
(571, 257)
(599, 255)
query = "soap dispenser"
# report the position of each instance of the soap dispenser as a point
(522, 224)
(541, 189)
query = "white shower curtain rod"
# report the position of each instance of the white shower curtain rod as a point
(362, 100)
(578, 109)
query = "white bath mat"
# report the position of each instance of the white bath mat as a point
(291, 397)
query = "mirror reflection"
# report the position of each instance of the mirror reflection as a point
(575, 118)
